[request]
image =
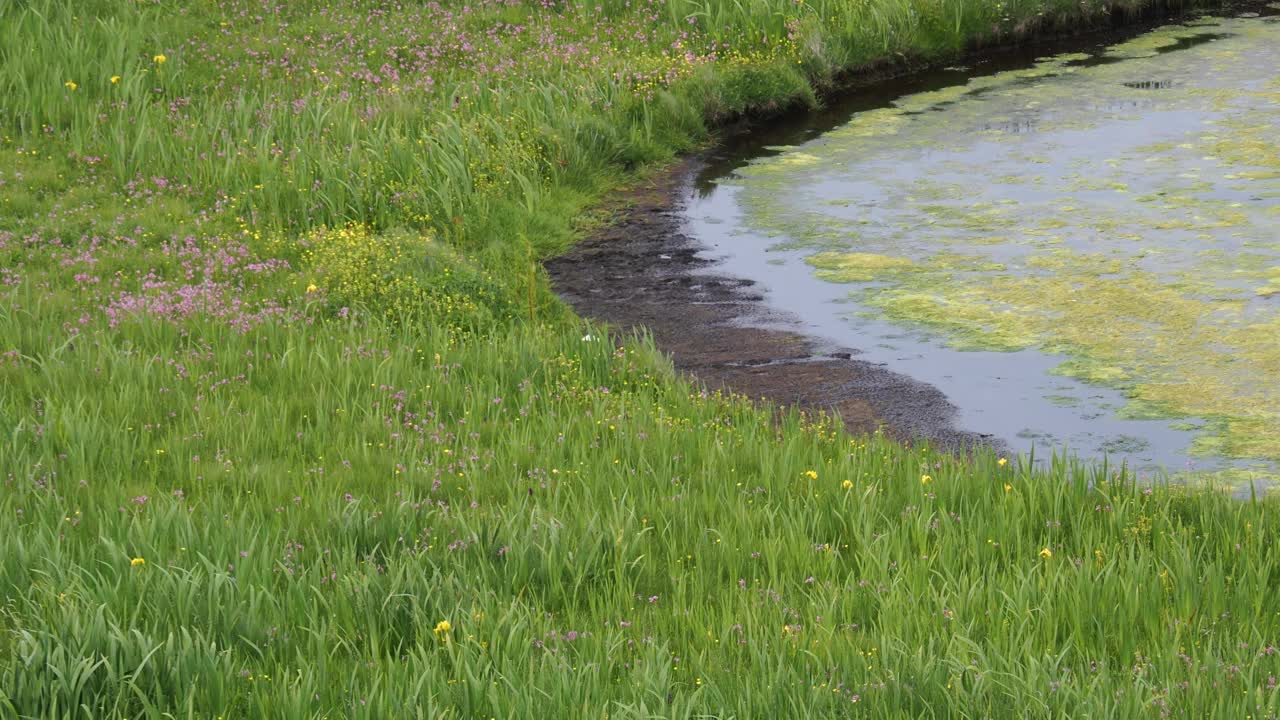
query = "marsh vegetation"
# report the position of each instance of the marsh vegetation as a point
(292, 426)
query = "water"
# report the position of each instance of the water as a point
(1082, 252)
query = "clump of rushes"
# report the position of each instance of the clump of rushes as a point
(264, 322)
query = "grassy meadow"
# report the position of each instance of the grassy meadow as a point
(292, 426)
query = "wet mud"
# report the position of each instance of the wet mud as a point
(643, 271)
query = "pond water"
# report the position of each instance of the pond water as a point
(1081, 251)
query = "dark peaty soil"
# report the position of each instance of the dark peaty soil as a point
(642, 271)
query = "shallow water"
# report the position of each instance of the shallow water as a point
(1082, 252)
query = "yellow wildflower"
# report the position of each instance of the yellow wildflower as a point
(443, 627)
(1046, 553)
(846, 484)
(1008, 487)
(925, 479)
(115, 79)
(136, 562)
(312, 288)
(1002, 462)
(811, 474)
(159, 59)
(70, 85)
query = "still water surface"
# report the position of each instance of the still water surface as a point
(1082, 252)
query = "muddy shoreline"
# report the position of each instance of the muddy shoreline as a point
(643, 270)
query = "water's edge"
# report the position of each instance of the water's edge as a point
(646, 271)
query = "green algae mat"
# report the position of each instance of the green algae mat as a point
(1084, 253)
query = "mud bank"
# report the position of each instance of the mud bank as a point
(643, 271)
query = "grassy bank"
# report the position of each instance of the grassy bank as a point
(292, 426)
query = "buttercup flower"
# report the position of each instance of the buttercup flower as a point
(136, 562)
(159, 59)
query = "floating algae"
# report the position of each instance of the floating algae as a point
(1108, 218)
(1145, 46)
(1273, 283)
(857, 267)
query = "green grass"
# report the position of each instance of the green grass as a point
(273, 406)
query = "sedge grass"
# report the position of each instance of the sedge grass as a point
(280, 438)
